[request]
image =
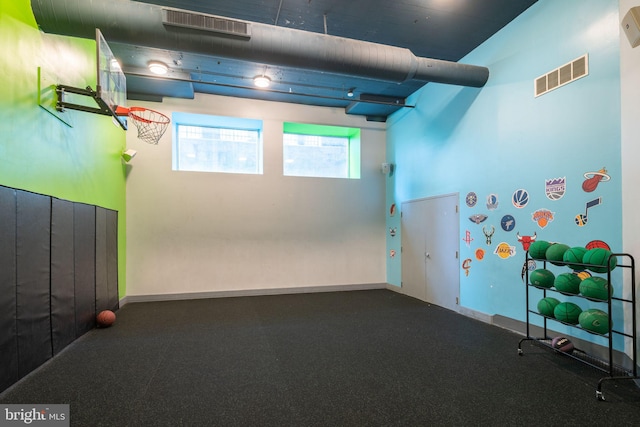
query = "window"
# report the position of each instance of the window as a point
(321, 151)
(217, 144)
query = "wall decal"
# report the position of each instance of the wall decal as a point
(467, 238)
(392, 253)
(592, 179)
(392, 231)
(597, 244)
(478, 218)
(392, 209)
(555, 188)
(471, 199)
(529, 265)
(488, 234)
(466, 266)
(581, 219)
(542, 217)
(492, 202)
(480, 254)
(520, 198)
(508, 223)
(505, 250)
(526, 240)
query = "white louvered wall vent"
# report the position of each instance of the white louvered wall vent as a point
(200, 21)
(561, 76)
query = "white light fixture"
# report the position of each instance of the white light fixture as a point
(350, 93)
(129, 154)
(158, 68)
(262, 81)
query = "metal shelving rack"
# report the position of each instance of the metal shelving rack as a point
(606, 365)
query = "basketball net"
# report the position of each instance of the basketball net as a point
(150, 123)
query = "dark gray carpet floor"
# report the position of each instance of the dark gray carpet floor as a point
(361, 358)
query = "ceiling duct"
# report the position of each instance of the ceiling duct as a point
(142, 24)
(198, 21)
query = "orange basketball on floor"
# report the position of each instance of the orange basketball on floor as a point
(105, 318)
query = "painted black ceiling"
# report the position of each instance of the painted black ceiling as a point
(439, 29)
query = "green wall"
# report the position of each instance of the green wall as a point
(38, 151)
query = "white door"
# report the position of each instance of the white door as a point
(430, 248)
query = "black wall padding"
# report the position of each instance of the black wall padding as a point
(112, 259)
(33, 249)
(84, 228)
(8, 332)
(63, 313)
(106, 259)
(50, 277)
(102, 289)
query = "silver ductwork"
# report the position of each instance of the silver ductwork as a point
(142, 24)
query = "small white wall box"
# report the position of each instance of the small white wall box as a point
(631, 25)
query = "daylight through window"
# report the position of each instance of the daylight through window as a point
(321, 151)
(217, 144)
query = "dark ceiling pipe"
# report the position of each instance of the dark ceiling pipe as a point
(141, 24)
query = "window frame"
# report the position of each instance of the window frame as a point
(353, 149)
(216, 122)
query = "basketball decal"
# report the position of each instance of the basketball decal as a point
(467, 238)
(480, 254)
(508, 223)
(581, 219)
(542, 217)
(466, 266)
(478, 218)
(597, 244)
(505, 250)
(488, 234)
(529, 265)
(592, 179)
(526, 240)
(492, 202)
(520, 198)
(555, 188)
(471, 199)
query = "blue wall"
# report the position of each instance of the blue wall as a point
(500, 138)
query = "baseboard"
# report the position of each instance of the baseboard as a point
(249, 292)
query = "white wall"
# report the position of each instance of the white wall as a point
(193, 232)
(630, 141)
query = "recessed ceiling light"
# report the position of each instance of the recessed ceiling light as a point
(262, 81)
(158, 68)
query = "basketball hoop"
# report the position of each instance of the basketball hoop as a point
(150, 123)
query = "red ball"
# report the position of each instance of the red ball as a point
(105, 318)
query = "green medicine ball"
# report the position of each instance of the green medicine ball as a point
(547, 305)
(568, 283)
(538, 249)
(596, 288)
(555, 253)
(598, 257)
(575, 255)
(594, 320)
(567, 312)
(542, 278)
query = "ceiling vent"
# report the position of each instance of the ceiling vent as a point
(211, 23)
(561, 76)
